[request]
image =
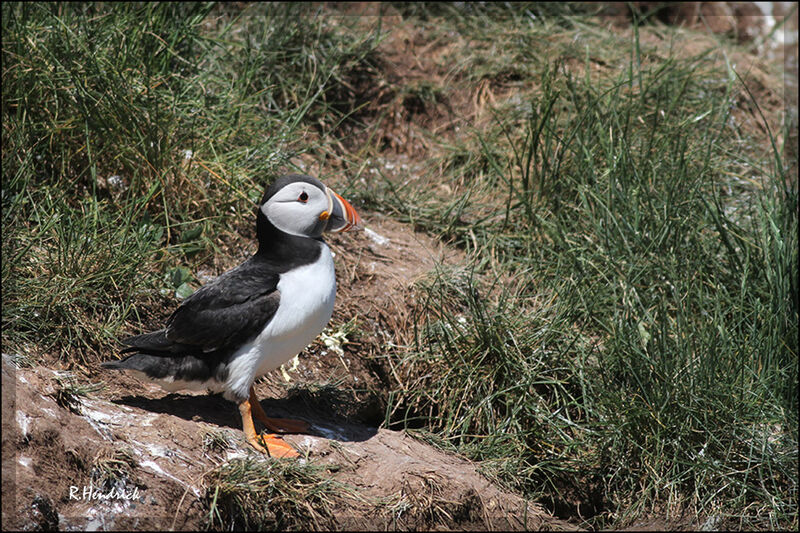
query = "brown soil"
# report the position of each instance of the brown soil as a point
(53, 454)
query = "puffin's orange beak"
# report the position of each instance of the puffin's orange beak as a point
(341, 216)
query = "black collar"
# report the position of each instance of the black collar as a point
(283, 250)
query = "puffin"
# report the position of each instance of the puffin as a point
(257, 316)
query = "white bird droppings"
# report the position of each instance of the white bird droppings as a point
(23, 421)
(375, 237)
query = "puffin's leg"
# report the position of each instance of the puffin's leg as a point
(275, 446)
(278, 425)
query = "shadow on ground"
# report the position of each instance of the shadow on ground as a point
(215, 410)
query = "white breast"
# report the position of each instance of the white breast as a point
(306, 306)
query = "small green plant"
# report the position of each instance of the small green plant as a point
(69, 393)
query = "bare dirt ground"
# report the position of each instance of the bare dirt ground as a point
(56, 452)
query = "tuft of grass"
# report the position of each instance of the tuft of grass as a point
(428, 505)
(114, 470)
(216, 441)
(69, 392)
(258, 494)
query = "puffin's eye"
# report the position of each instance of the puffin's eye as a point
(303, 197)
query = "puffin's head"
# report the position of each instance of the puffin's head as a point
(302, 205)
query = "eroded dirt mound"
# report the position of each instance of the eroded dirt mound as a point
(425, 488)
(152, 452)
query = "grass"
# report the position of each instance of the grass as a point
(115, 470)
(69, 392)
(623, 330)
(286, 495)
(215, 441)
(628, 323)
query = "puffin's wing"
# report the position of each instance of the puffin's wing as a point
(231, 309)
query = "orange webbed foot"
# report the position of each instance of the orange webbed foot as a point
(277, 447)
(272, 445)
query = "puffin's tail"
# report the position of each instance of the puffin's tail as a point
(153, 366)
(174, 368)
(158, 358)
(115, 365)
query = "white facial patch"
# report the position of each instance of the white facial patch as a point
(296, 209)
